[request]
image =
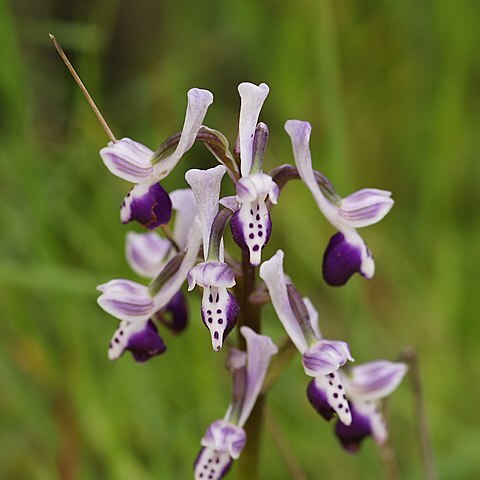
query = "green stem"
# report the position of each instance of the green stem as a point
(250, 316)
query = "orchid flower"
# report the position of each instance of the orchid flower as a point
(365, 386)
(355, 398)
(138, 306)
(219, 307)
(321, 358)
(346, 252)
(225, 439)
(251, 225)
(148, 202)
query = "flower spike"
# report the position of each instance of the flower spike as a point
(346, 253)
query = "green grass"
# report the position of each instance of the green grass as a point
(391, 89)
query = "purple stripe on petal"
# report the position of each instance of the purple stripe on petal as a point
(340, 260)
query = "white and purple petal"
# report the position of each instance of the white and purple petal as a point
(149, 204)
(365, 207)
(183, 202)
(272, 274)
(206, 186)
(344, 256)
(128, 159)
(211, 273)
(252, 98)
(140, 338)
(325, 357)
(223, 436)
(126, 300)
(299, 133)
(260, 349)
(198, 102)
(146, 253)
(375, 380)
(327, 395)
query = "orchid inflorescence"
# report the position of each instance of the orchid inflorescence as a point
(350, 394)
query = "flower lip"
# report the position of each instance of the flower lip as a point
(150, 205)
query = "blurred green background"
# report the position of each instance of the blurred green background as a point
(392, 90)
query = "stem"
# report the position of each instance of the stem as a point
(411, 358)
(250, 316)
(387, 454)
(82, 87)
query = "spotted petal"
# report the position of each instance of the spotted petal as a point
(212, 465)
(252, 98)
(272, 274)
(140, 338)
(327, 395)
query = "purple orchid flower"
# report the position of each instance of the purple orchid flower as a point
(219, 307)
(251, 225)
(148, 202)
(354, 399)
(137, 306)
(225, 439)
(346, 252)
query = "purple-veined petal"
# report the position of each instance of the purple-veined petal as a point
(260, 349)
(175, 314)
(327, 395)
(375, 380)
(183, 202)
(206, 188)
(365, 207)
(146, 253)
(140, 338)
(256, 187)
(148, 204)
(271, 272)
(299, 133)
(219, 314)
(126, 300)
(313, 317)
(344, 256)
(128, 159)
(198, 102)
(325, 357)
(211, 274)
(252, 98)
(351, 436)
(212, 465)
(223, 436)
(230, 202)
(173, 285)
